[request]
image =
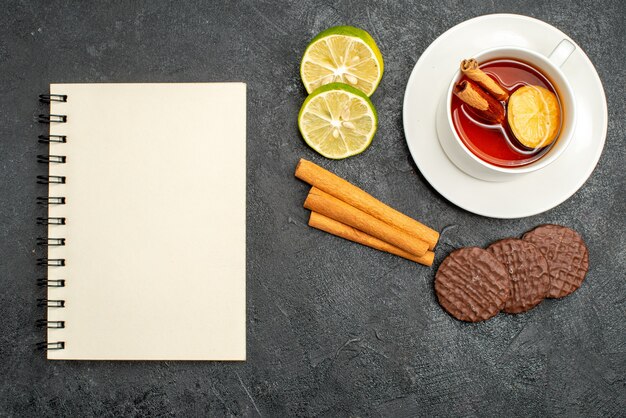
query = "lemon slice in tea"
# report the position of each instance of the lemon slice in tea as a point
(342, 54)
(338, 121)
(534, 116)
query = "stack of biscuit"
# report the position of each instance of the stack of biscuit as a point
(512, 275)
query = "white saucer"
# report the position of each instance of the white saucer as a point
(530, 193)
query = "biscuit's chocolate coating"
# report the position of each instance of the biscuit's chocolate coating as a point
(567, 256)
(528, 270)
(472, 285)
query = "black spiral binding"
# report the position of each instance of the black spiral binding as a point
(51, 220)
(51, 117)
(44, 345)
(50, 303)
(50, 283)
(50, 200)
(51, 241)
(42, 323)
(47, 159)
(47, 98)
(48, 179)
(46, 139)
(55, 262)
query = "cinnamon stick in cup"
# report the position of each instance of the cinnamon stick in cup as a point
(470, 69)
(331, 207)
(334, 185)
(480, 101)
(341, 230)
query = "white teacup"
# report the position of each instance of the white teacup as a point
(549, 66)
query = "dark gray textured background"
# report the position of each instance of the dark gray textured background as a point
(334, 329)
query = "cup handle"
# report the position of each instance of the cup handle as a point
(561, 52)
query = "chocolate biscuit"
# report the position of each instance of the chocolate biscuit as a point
(567, 256)
(528, 270)
(472, 285)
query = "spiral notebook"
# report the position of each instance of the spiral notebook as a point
(146, 221)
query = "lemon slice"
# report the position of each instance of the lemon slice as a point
(342, 54)
(534, 116)
(338, 121)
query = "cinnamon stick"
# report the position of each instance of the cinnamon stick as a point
(341, 189)
(331, 207)
(339, 229)
(480, 101)
(470, 69)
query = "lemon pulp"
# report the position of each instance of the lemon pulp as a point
(342, 54)
(534, 116)
(338, 121)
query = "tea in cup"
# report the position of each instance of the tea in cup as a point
(507, 112)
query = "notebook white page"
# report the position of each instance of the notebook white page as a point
(155, 222)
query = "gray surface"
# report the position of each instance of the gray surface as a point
(334, 329)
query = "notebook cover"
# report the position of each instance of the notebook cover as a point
(155, 222)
